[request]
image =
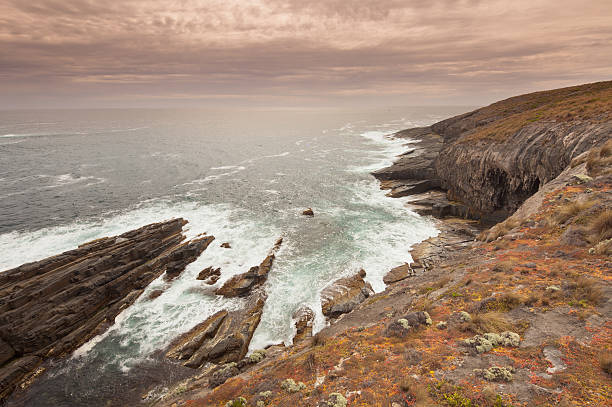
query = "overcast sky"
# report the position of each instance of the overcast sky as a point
(82, 53)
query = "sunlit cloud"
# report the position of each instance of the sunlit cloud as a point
(91, 53)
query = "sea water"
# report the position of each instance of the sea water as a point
(244, 176)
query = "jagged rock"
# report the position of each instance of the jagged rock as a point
(226, 245)
(52, 306)
(209, 271)
(212, 280)
(242, 284)
(398, 273)
(344, 294)
(303, 318)
(222, 338)
(308, 212)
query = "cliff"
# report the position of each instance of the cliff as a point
(494, 158)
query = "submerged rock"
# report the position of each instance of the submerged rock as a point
(52, 306)
(344, 294)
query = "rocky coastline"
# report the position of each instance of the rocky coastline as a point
(509, 305)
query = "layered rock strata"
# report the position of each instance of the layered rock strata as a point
(50, 307)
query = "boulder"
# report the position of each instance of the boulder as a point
(308, 212)
(344, 294)
(226, 245)
(398, 273)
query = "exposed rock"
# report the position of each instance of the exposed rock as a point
(344, 294)
(209, 271)
(52, 306)
(226, 245)
(242, 284)
(308, 212)
(398, 273)
(498, 177)
(222, 338)
(303, 318)
(154, 294)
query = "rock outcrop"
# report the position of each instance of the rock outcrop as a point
(344, 294)
(506, 152)
(241, 285)
(52, 306)
(222, 338)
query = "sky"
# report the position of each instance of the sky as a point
(296, 53)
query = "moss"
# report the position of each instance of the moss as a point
(442, 325)
(510, 339)
(290, 386)
(464, 316)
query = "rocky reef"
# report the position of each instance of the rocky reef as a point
(50, 307)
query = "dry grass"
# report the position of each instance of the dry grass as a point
(599, 160)
(499, 230)
(488, 322)
(503, 267)
(570, 210)
(499, 121)
(584, 291)
(600, 227)
(605, 361)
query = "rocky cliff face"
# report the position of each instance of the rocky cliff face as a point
(50, 307)
(497, 177)
(494, 158)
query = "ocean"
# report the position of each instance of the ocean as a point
(244, 176)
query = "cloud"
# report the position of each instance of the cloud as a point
(81, 51)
